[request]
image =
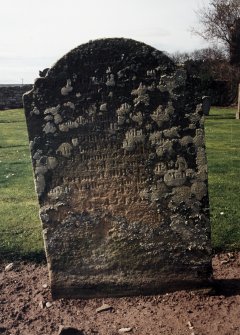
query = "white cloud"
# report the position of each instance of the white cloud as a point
(36, 33)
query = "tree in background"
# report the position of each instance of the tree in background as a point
(218, 78)
(235, 44)
(206, 54)
(217, 22)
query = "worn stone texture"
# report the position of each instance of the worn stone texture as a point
(117, 144)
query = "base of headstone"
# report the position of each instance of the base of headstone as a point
(137, 284)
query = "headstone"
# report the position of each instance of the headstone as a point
(206, 105)
(117, 144)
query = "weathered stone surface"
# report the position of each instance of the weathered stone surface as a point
(118, 154)
(206, 105)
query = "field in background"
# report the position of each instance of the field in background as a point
(223, 153)
(20, 231)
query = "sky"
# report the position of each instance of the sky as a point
(36, 33)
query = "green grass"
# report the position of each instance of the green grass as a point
(20, 229)
(223, 153)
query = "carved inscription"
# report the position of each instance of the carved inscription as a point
(120, 169)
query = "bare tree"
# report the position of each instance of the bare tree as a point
(206, 54)
(209, 54)
(217, 21)
(180, 57)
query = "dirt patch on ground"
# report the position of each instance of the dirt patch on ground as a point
(25, 295)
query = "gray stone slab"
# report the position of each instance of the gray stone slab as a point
(117, 145)
(206, 105)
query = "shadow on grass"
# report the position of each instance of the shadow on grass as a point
(12, 121)
(15, 255)
(221, 116)
(13, 146)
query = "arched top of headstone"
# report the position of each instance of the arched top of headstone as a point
(117, 51)
(104, 62)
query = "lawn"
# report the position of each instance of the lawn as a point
(20, 230)
(223, 153)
